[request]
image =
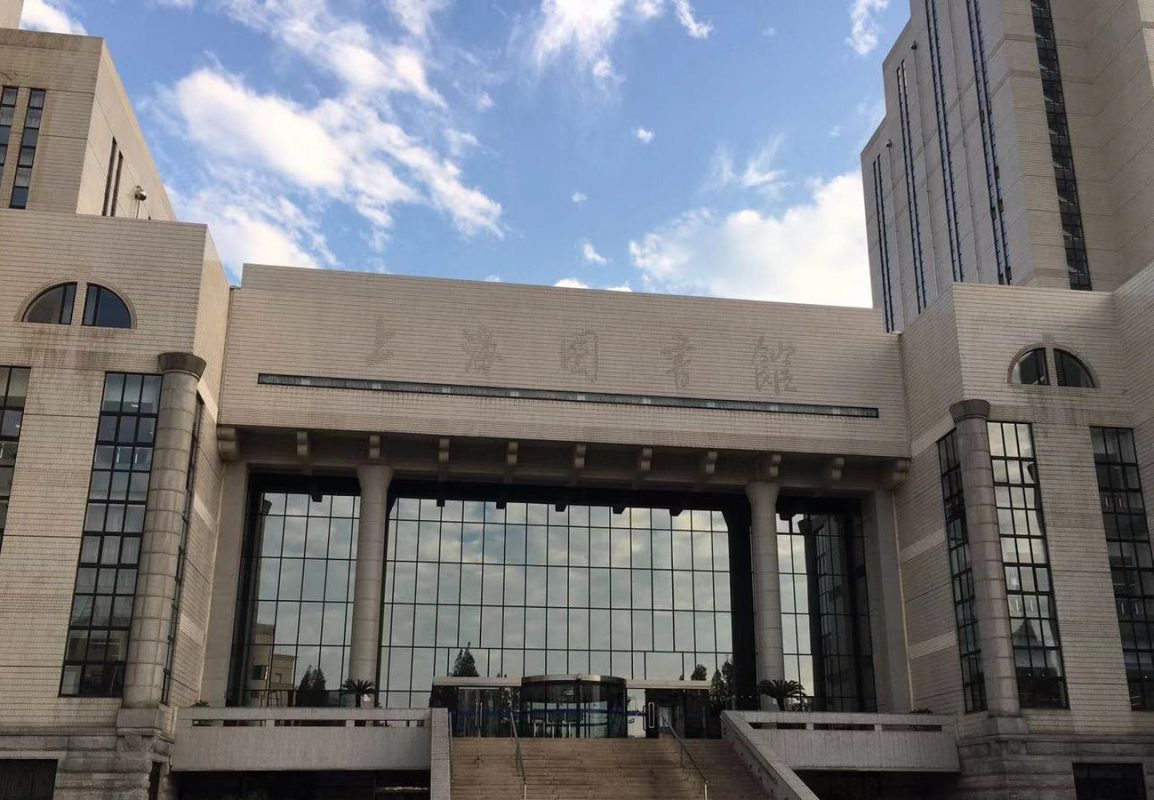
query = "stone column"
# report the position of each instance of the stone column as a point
(887, 604)
(766, 583)
(994, 634)
(366, 633)
(163, 526)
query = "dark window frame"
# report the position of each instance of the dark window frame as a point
(1026, 563)
(961, 575)
(97, 300)
(912, 208)
(67, 305)
(9, 95)
(1128, 543)
(13, 398)
(107, 565)
(1061, 148)
(1071, 372)
(29, 140)
(1037, 360)
(989, 143)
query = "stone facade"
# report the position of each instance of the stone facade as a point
(382, 378)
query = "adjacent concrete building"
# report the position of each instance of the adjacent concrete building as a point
(249, 535)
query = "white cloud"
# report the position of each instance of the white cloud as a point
(362, 60)
(416, 16)
(255, 227)
(51, 16)
(644, 135)
(579, 197)
(865, 30)
(813, 252)
(649, 9)
(622, 288)
(570, 283)
(696, 29)
(588, 28)
(584, 26)
(485, 101)
(603, 69)
(758, 174)
(590, 254)
(354, 154)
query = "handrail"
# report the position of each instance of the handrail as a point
(664, 720)
(519, 757)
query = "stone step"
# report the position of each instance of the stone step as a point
(595, 769)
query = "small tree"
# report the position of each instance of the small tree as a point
(465, 666)
(312, 690)
(781, 691)
(359, 689)
(700, 673)
(719, 696)
(727, 674)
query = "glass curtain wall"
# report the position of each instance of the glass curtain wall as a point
(535, 589)
(298, 604)
(825, 610)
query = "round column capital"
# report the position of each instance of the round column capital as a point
(181, 362)
(970, 409)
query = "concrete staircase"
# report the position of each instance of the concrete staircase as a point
(595, 769)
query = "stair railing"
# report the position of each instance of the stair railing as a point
(519, 757)
(683, 749)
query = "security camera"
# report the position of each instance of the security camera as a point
(141, 194)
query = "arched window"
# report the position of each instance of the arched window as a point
(103, 308)
(53, 306)
(1030, 369)
(1071, 371)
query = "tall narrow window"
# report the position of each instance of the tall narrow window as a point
(116, 184)
(1061, 150)
(298, 608)
(13, 392)
(108, 179)
(883, 245)
(825, 610)
(989, 143)
(8, 97)
(942, 111)
(1029, 586)
(961, 575)
(911, 187)
(182, 553)
(109, 552)
(28, 142)
(1131, 557)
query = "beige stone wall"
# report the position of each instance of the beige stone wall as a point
(158, 268)
(1106, 54)
(989, 327)
(66, 68)
(85, 107)
(305, 322)
(113, 116)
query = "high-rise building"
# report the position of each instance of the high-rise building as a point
(335, 534)
(1017, 149)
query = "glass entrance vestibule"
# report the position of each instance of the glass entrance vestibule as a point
(643, 585)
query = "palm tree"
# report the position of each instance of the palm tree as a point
(782, 691)
(358, 689)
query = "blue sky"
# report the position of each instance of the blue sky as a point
(692, 146)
